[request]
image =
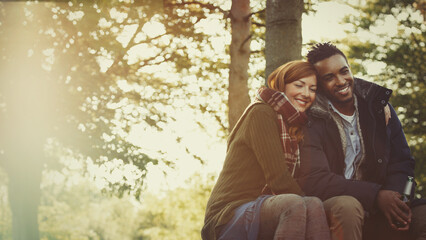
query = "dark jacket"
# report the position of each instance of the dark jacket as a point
(387, 159)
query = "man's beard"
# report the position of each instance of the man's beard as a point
(336, 100)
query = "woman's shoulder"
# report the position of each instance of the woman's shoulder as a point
(260, 108)
(255, 113)
(260, 113)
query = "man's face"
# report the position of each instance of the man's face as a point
(335, 79)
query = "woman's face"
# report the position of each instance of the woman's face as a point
(301, 93)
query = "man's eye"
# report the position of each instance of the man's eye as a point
(328, 78)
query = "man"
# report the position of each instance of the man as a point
(354, 158)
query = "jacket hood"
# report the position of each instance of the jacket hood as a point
(369, 91)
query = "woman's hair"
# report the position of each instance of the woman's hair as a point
(287, 73)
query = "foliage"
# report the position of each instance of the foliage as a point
(101, 61)
(404, 53)
(111, 65)
(72, 207)
(179, 214)
(82, 74)
(105, 67)
(81, 211)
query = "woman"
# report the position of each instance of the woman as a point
(263, 150)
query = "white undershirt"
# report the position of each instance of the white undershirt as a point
(353, 144)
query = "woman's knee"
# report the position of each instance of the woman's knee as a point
(287, 198)
(283, 215)
(313, 202)
(292, 200)
(285, 202)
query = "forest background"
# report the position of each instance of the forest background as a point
(114, 114)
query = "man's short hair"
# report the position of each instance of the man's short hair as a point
(321, 51)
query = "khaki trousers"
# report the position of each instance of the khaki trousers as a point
(345, 216)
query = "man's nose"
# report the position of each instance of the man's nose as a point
(341, 80)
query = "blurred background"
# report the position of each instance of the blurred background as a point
(114, 114)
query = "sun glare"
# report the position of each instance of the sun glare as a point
(153, 29)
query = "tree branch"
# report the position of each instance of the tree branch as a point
(245, 41)
(125, 50)
(149, 40)
(254, 13)
(209, 6)
(255, 51)
(258, 24)
(132, 44)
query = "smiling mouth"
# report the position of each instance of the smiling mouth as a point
(302, 102)
(344, 90)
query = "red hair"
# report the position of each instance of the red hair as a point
(287, 73)
(290, 72)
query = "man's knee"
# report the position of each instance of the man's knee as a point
(345, 216)
(346, 207)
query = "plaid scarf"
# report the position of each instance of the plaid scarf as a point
(287, 115)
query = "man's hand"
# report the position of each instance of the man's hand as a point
(395, 210)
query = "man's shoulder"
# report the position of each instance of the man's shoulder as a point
(370, 90)
(317, 121)
(319, 108)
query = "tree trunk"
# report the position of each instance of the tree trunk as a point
(283, 32)
(24, 91)
(238, 98)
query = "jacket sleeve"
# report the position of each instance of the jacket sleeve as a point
(318, 180)
(263, 138)
(400, 163)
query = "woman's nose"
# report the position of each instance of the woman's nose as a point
(305, 92)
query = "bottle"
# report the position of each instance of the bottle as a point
(406, 196)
